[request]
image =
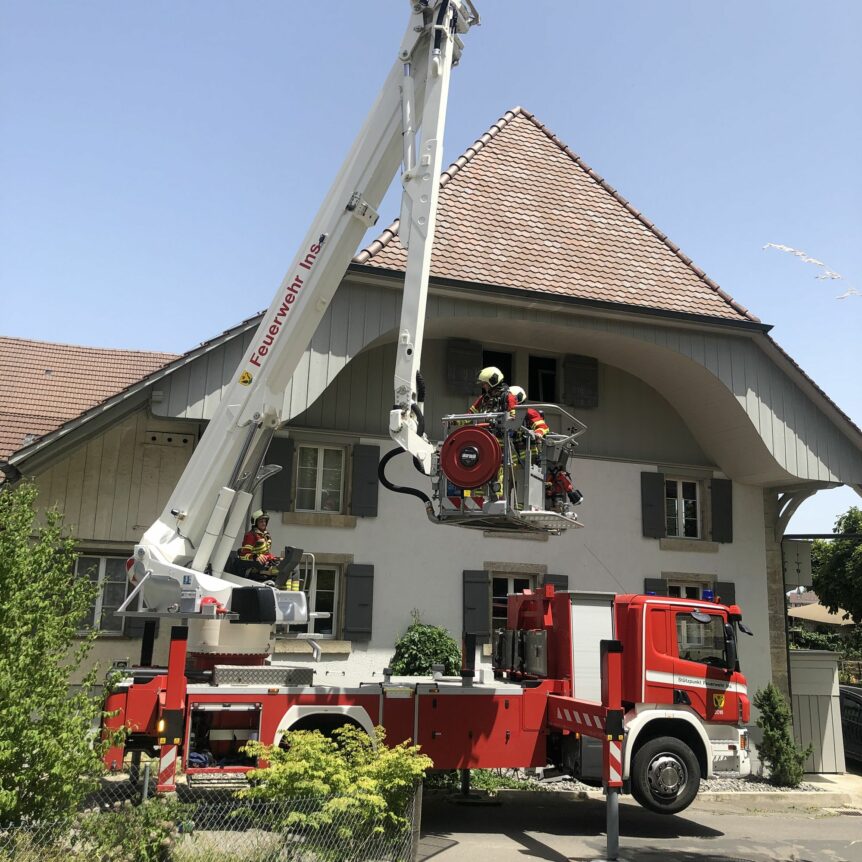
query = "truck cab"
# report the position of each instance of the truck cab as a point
(684, 700)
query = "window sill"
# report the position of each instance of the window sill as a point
(301, 646)
(318, 519)
(696, 546)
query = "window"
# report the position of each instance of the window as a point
(685, 591)
(322, 592)
(319, 479)
(110, 574)
(503, 361)
(502, 586)
(700, 641)
(543, 379)
(682, 508)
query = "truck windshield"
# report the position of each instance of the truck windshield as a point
(700, 638)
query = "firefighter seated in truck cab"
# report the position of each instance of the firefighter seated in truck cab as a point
(531, 430)
(257, 559)
(496, 397)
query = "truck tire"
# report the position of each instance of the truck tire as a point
(665, 775)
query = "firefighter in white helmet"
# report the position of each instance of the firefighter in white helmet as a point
(496, 397)
(256, 550)
(533, 427)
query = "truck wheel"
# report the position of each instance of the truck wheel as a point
(665, 775)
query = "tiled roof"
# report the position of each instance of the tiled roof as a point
(520, 210)
(43, 385)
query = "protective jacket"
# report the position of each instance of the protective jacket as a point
(254, 544)
(496, 400)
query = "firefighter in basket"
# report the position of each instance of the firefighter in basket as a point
(496, 397)
(532, 429)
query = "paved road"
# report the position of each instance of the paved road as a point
(560, 828)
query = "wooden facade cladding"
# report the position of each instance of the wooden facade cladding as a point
(748, 416)
(113, 485)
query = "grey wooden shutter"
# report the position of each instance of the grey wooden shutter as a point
(363, 481)
(463, 363)
(358, 601)
(581, 381)
(477, 603)
(655, 586)
(559, 582)
(721, 493)
(277, 490)
(652, 505)
(725, 591)
(133, 627)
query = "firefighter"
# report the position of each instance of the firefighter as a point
(256, 548)
(496, 397)
(533, 427)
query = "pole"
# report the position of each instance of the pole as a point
(613, 822)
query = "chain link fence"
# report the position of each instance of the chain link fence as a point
(125, 821)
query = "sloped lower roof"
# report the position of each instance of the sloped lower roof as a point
(520, 210)
(43, 385)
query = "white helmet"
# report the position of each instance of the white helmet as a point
(520, 395)
(490, 375)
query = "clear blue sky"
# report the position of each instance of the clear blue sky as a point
(160, 160)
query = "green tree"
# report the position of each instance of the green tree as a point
(836, 567)
(423, 646)
(48, 759)
(778, 748)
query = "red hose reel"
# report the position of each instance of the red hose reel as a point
(470, 456)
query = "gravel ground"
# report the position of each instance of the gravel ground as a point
(748, 784)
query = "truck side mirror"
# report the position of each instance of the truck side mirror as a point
(730, 647)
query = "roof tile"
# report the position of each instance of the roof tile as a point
(519, 209)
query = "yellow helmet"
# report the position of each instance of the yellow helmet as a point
(490, 375)
(520, 395)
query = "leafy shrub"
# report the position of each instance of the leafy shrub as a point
(423, 646)
(778, 748)
(48, 758)
(134, 833)
(363, 787)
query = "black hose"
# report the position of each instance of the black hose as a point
(420, 419)
(420, 387)
(398, 489)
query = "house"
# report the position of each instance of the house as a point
(704, 435)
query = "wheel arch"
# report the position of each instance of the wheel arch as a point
(676, 723)
(318, 717)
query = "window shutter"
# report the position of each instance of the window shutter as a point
(477, 603)
(134, 627)
(558, 582)
(652, 505)
(463, 363)
(726, 592)
(581, 381)
(656, 586)
(277, 489)
(363, 481)
(358, 601)
(721, 491)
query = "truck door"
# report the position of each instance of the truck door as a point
(700, 661)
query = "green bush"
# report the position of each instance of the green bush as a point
(134, 833)
(362, 786)
(778, 748)
(423, 646)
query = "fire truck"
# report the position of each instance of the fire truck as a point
(576, 675)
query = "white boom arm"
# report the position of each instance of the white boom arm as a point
(183, 554)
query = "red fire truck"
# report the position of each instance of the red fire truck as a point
(673, 702)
